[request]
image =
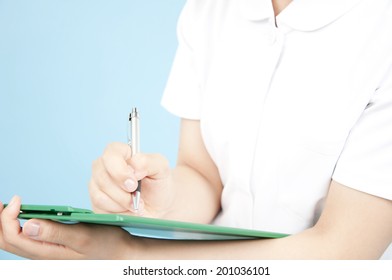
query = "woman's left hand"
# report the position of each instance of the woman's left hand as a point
(44, 239)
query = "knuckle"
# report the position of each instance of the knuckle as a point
(97, 167)
(151, 163)
(114, 147)
(95, 164)
(107, 155)
(142, 160)
(117, 174)
(98, 200)
(99, 173)
(92, 189)
(114, 166)
(50, 233)
(111, 147)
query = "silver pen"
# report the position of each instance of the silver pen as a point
(134, 142)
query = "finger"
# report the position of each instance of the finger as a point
(72, 236)
(17, 243)
(3, 243)
(103, 204)
(103, 178)
(102, 189)
(115, 160)
(89, 241)
(154, 166)
(109, 199)
(9, 220)
(1, 209)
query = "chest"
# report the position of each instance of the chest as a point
(266, 87)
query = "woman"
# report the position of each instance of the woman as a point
(286, 115)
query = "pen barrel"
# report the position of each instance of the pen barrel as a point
(135, 130)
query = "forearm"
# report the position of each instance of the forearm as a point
(353, 225)
(301, 246)
(195, 181)
(195, 198)
(309, 244)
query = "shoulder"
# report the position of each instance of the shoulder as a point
(203, 7)
(206, 13)
(201, 21)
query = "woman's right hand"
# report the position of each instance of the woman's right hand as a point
(115, 176)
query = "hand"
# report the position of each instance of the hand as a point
(115, 175)
(44, 239)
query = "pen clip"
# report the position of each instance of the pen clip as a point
(129, 136)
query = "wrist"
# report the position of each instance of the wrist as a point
(144, 249)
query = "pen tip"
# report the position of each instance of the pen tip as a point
(136, 200)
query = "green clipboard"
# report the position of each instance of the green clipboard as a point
(143, 227)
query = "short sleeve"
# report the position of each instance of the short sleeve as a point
(182, 93)
(366, 160)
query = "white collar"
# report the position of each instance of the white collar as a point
(255, 10)
(304, 15)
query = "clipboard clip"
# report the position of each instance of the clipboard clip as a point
(53, 210)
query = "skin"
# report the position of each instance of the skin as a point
(353, 225)
(280, 5)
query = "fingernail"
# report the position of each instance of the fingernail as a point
(31, 229)
(129, 184)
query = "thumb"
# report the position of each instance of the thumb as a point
(71, 236)
(154, 166)
(77, 241)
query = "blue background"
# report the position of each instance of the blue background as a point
(70, 71)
